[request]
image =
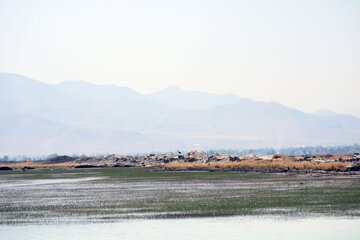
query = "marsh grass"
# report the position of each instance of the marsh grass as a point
(121, 193)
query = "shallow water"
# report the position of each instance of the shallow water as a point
(112, 195)
(318, 228)
(18, 183)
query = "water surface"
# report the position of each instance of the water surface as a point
(249, 227)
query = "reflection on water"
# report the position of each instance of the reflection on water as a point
(195, 228)
(19, 183)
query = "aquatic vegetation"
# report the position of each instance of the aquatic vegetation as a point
(110, 194)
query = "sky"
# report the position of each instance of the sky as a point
(302, 54)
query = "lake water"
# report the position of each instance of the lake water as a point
(319, 228)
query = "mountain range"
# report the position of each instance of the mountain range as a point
(81, 117)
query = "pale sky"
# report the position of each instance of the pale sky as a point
(303, 54)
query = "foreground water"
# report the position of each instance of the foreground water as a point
(318, 228)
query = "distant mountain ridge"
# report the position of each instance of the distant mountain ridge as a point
(176, 97)
(81, 117)
(325, 112)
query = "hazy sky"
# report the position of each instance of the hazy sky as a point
(303, 54)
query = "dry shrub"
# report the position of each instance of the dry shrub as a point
(287, 163)
(274, 164)
(184, 165)
(19, 165)
(334, 166)
(338, 156)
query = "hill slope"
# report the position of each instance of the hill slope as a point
(79, 117)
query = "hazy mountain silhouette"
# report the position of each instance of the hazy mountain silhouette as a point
(324, 112)
(354, 111)
(80, 117)
(176, 97)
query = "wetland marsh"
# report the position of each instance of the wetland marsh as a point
(113, 194)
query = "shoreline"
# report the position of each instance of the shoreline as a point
(199, 161)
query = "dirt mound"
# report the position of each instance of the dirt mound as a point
(59, 159)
